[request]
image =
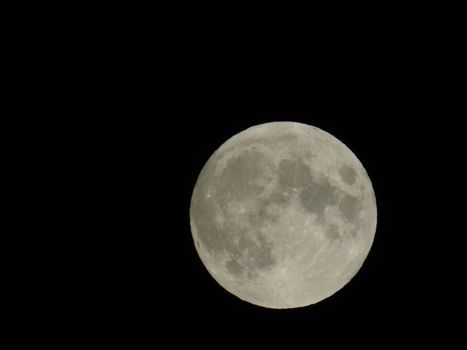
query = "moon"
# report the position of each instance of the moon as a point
(283, 215)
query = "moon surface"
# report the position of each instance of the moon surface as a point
(283, 215)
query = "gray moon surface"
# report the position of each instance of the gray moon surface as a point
(283, 215)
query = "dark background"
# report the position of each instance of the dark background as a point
(156, 96)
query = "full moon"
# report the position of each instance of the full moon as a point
(283, 215)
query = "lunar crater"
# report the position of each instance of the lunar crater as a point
(348, 174)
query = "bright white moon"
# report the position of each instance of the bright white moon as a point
(283, 215)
